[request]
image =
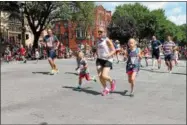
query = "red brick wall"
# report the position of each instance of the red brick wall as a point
(106, 18)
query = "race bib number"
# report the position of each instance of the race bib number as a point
(133, 59)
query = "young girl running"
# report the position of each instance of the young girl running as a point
(133, 55)
(84, 73)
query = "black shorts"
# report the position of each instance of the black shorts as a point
(168, 57)
(103, 63)
(156, 54)
(51, 54)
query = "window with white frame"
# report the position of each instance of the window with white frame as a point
(79, 33)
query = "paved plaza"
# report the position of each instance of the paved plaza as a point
(30, 96)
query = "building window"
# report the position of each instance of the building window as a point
(79, 33)
(66, 35)
(65, 25)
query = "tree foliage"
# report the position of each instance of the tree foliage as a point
(147, 23)
(84, 15)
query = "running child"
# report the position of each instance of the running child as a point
(133, 55)
(84, 73)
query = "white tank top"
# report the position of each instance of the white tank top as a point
(103, 50)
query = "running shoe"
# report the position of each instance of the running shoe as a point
(113, 85)
(25, 61)
(78, 88)
(131, 94)
(94, 79)
(105, 92)
(52, 72)
(57, 71)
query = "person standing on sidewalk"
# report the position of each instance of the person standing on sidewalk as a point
(52, 44)
(105, 51)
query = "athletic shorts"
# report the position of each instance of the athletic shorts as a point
(87, 76)
(51, 54)
(156, 54)
(168, 57)
(103, 63)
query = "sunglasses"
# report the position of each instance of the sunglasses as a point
(100, 31)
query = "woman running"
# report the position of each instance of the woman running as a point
(133, 55)
(105, 51)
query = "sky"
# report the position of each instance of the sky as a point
(175, 11)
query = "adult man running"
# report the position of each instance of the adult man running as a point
(155, 45)
(105, 50)
(168, 53)
(52, 44)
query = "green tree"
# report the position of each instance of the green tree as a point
(39, 15)
(144, 20)
(84, 15)
(122, 28)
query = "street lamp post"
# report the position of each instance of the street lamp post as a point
(23, 23)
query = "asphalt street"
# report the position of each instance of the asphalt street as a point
(29, 95)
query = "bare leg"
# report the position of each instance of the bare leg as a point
(103, 81)
(51, 63)
(132, 81)
(105, 74)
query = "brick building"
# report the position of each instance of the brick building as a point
(72, 35)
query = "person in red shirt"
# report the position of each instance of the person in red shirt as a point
(22, 53)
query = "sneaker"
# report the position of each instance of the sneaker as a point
(105, 92)
(94, 79)
(57, 71)
(52, 72)
(113, 85)
(78, 88)
(131, 95)
(25, 61)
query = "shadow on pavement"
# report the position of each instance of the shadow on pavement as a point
(44, 73)
(149, 70)
(124, 93)
(72, 73)
(86, 90)
(43, 123)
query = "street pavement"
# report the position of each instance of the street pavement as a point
(30, 96)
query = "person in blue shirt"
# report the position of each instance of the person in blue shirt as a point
(155, 46)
